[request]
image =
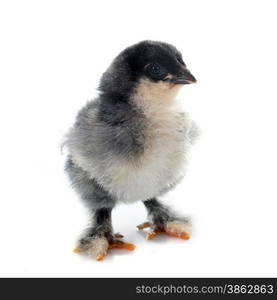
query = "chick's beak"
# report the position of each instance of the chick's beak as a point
(185, 77)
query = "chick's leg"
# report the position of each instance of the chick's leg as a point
(164, 221)
(100, 237)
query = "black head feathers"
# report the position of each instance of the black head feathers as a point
(151, 60)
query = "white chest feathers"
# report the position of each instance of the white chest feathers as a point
(160, 166)
(163, 161)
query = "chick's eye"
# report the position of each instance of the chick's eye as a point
(155, 69)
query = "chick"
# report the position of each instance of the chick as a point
(130, 144)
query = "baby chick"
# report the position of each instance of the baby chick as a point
(130, 144)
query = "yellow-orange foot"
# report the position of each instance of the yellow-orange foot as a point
(97, 247)
(179, 229)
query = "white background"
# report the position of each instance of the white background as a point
(52, 55)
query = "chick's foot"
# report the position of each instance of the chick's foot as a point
(179, 229)
(98, 246)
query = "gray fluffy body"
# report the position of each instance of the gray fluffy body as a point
(131, 142)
